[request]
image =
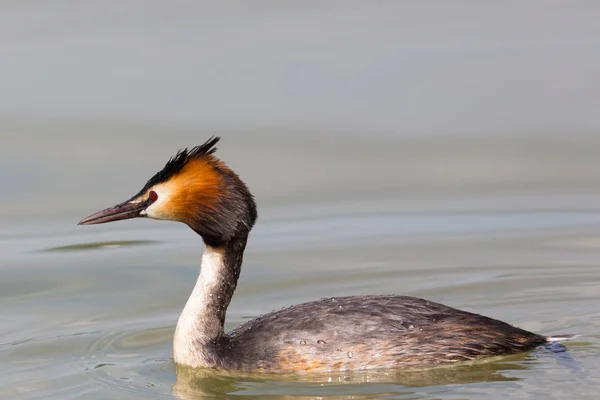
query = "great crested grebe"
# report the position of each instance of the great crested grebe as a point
(337, 334)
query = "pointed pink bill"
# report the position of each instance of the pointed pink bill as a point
(121, 211)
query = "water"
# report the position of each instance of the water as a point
(441, 153)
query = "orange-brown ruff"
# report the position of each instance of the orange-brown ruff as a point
(337, 334)
(197, 188)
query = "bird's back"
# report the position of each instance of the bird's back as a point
(367, 332)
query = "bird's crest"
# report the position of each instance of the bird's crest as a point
(180, 160)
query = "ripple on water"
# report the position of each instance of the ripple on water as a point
(99, 245)
(131, 361)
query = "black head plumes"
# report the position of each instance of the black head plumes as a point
(178, 161)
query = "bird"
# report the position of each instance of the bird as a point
(337, 334)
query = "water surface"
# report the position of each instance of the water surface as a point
(437, 152)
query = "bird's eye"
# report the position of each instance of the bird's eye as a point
(153, 195)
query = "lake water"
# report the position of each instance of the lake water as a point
(447, 152)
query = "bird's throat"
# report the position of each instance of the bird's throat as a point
(200, 325)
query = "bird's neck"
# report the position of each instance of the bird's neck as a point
(200, 327)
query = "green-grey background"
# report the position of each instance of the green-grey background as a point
(447, 150)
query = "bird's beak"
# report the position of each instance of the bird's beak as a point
(121, 211)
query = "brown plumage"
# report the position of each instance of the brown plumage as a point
(370, 332)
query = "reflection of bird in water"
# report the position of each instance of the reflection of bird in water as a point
(337, 334)
(193, 383)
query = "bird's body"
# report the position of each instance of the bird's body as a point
(366, 333)
(335, 334)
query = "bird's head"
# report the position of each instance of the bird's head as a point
(195, 188)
